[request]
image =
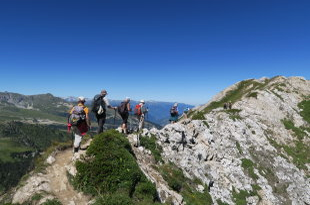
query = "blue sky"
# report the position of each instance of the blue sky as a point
(164, 50)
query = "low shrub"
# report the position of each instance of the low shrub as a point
(110, 167)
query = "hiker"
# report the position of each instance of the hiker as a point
(99, 107)
(225, 106)
(174, 113)
(186, 110)
(79, 122)
(140, 111)
(123, 111)
(229, 105)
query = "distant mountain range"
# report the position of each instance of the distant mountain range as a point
(50, 110)
(158, 111)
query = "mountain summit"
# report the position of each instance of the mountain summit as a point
(255, 153)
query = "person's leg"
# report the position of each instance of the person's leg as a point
(101, 121)
(125, 121)
(77, 142)
(141, 122)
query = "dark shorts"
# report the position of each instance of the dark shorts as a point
(125, 117)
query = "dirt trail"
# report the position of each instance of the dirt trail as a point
(62, 189)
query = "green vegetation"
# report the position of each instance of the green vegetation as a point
(206, 124)
(36, 197)
(305, 113)
(243, 88)
(187, 188)
(150, 144)
(276, 94)
(234, 114)
(20, 145)
(300, 152)
(252, 95)
(52, 202)
(290, 126)
(240, 198)
(238, 147)
(198, 116)
(248, 165)
(111, 173)
(14, 113)
(219, 202)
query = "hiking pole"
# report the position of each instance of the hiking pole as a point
(114, 116)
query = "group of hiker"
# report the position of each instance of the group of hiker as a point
(80, 123)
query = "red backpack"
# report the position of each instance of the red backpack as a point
(137, 110)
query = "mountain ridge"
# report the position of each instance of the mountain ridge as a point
(255, 153)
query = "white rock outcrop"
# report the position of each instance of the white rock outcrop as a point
(215, 148)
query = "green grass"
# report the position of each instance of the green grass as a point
(15, 113)
(52, 202)
(150, 144)
(198, 116)
(206, 124)
(234, 114)
(276, 94)
(110, 172)
(240, 198)
(238, 147)
(219, 202)
(288, 124)
(243, 88)
(186, 187)
(300, 152)
(8, 147)
(248, 165)
(305, 113)
(252, 95)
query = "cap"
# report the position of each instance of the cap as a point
(104, 92)
(175, 104)
(142, 101)
(81, 98)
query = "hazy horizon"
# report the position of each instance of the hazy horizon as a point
(173, 51)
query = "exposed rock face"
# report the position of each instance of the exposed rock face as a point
(218, 148)
(146, 163)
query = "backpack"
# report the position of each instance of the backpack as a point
(137, 110)
(77, 116)
(122, 108)
(173, 112)
(98, 106)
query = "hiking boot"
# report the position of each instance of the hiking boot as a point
(76, 149)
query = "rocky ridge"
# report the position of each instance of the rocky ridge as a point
(250, 149)
(255, 153)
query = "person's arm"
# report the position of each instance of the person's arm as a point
(108, 104)
(128, 107)
(87, 117)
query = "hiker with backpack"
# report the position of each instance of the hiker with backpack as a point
(140, 111)
(79, 122)
(186, 111)
(123, 111)
(99, 107)
(174, 113)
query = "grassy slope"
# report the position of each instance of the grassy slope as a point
(111, 173)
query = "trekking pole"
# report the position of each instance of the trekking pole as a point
(114, 116)
(72, 139)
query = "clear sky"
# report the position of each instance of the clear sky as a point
(164, 50)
